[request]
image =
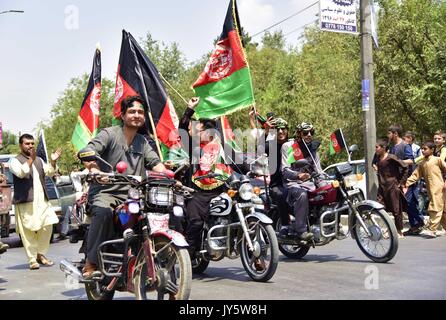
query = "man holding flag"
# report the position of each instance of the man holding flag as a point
(297, 179)
(115, 144)
(222, 88)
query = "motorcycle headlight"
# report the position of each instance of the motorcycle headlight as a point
(350, 180)
(160, 196)
(133, 207)
(246, 191)
(133, 193)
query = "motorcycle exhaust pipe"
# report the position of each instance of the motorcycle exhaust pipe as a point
(70, 269)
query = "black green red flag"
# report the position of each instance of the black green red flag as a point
(228, 134)
(337, 142)
(297, 151)
(137, 75)
(88, 119)
(225, 85)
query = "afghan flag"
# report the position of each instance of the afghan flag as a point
(88, 119)
(296, 152)
(337, 142)
(137, 75)
(225, 85)
(228, 134)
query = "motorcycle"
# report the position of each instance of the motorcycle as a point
(368, 223)
(234, 229)
(146, 257)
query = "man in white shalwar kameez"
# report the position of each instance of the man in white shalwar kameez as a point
(34, 215)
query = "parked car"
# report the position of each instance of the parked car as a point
(358, 168)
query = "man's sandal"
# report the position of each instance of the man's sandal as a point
(43, 260)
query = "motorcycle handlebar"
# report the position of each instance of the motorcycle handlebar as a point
(209, 175)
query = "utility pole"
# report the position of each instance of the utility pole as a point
(368, 97)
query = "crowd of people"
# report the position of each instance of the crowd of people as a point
(399, 162)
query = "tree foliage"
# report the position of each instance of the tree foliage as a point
(410, 65)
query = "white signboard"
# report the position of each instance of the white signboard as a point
(338, 15)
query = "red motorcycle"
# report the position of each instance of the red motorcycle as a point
(146, 256)
(368, 223)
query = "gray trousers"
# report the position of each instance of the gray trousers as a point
(297, 198)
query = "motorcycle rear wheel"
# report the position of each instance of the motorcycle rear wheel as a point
(173, 272)
(382, 245)
(292, 251)
(199, 265)
(262, 266)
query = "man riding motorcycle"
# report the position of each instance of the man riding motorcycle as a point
(115, 144)
(297, 180)
(206, 154)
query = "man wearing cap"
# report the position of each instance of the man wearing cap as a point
(115, 144)
(297, 179)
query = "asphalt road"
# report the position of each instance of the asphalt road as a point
(338, 270)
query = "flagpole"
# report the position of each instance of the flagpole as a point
(179, 94)
(44, 145)
(345, 145)
(152, 124)
(312, 158)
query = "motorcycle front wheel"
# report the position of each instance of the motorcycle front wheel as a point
(172, 271)
(381, 244)
(261, 263)
(97, 290)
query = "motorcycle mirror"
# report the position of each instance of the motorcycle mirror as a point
(353, 148)
(121, 166)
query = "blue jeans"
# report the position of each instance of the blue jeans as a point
(415, 216)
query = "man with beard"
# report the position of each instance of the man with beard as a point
(297, 179)
(34, 215)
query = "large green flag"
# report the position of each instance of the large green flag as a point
(225, 85)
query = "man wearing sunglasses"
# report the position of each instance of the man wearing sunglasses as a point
(297, 179)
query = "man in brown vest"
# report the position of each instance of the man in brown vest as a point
(34, 214)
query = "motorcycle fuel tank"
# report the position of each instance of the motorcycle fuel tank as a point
(323, 195)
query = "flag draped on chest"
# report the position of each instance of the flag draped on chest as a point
(296, 152)
(137, 75)
(211, 160)
(88, 119)
(225, 85)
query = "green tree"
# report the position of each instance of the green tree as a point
(410, 65)
(10, 143)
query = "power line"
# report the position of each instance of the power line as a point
(301, 27)
(287, 18)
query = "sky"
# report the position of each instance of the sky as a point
(54, 41)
